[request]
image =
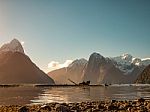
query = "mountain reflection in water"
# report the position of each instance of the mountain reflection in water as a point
(41, 95)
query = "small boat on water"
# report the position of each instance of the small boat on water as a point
(87, 83)
(106, 85)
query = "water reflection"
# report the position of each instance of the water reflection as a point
(63, 94)
(18, 95)
(79, 94)
(41, 95)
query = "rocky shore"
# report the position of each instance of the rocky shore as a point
(139, 105)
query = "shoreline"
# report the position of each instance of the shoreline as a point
(139, 105)
(67, 85)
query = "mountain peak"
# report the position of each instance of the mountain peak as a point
(13, 46)
(78, 62)
(127, 56)
(96, 55)
(15, 41)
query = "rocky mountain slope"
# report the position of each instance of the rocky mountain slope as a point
(74, 72)
(101, 70)
(92, 70)
(144, 77)
(111, 70)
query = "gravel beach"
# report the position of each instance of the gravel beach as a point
(139, 105)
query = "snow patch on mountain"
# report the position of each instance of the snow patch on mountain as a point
(145, 62)
(141, 62)
(13, 46)
(126, 62)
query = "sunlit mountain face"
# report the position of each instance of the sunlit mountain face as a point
(17, 68)
(73, 72)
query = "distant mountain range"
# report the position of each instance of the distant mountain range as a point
(99, 69)
(17, 68)
(126, 62)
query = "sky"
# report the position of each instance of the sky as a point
(64, 30)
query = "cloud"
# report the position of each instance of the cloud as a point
(22, 42)
(67, 63)
(53, 65)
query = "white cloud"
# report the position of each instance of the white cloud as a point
(53, 65)
(22, 42)
(67, 63)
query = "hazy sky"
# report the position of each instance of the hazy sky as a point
(60, 30)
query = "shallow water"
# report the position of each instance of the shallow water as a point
(40, 95)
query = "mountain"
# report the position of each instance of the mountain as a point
(119, 69)
(13, 46)
(100, 70)
(126, 63)
(59, 76)
(74, 72)
(144, 77)
(92, 70)
(17, 68)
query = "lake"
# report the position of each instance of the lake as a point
(66, 94)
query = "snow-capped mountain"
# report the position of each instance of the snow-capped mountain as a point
(126, 62)
(121, 69)
(17, 68)
(145, 61)
(13, 46)
(99, 69)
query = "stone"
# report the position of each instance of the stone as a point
(61, 108)
(45, 108)
(113, 101)
(88, 110)
(112, 107)
(101, 106)
(141, 100)
(148, 106)
(23, 109)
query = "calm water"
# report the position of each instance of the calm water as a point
(41, 95)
